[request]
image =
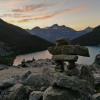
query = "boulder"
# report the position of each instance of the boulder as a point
(8, 83)
(36, 95)
(74, 83)
(65, 57)
(69, 50)
(37, 81)
(19, 92)
(61, 94)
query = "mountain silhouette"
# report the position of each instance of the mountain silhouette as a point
(55, 31)
(91, 38)
(20, 40)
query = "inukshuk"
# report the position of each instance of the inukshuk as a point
(77, 78)
(63, 51)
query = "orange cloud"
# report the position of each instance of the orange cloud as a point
(73, 10)
(31, 8)
(25, 20)
(15, 15)
(65, 11)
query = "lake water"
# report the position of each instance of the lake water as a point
(93, 50)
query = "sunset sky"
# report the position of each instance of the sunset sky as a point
(77, 14)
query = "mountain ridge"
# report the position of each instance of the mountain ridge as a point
(56, 31)
(20, 39)
(91, 38)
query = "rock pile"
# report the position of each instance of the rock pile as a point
(36, 63)
(76, 82)
(25, 87)
(66, 82)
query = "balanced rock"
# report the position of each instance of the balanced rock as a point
(69, 50)
(65, 57)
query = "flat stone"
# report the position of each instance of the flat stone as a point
(65, 57)
(69, 50)
(73, 83)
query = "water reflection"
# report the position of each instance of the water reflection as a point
(94, 50)
(38, 55)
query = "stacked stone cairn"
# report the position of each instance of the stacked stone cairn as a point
(71, 81)
(95, 68)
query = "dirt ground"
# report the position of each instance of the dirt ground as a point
(7, 73)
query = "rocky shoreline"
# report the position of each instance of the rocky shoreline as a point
(32, 82)
(32, 78)
(53, 79)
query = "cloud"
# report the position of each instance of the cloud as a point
(73, 10)
(14, 15)
(78, 9)
(10, 4)
(31, 8)
(25, 20)
(57, 13)
(21, 16)
(37, 18)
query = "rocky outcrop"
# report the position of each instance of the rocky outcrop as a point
(60, 94)
(74, 83)
(19, 92)
(37, 81)
(68, 88)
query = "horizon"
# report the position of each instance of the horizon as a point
(77, 14)
(50, 26)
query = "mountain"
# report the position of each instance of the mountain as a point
(91, 38)
(55, 31)
(15, 40)
(20, 40)
(86, 30)
(6, 54)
